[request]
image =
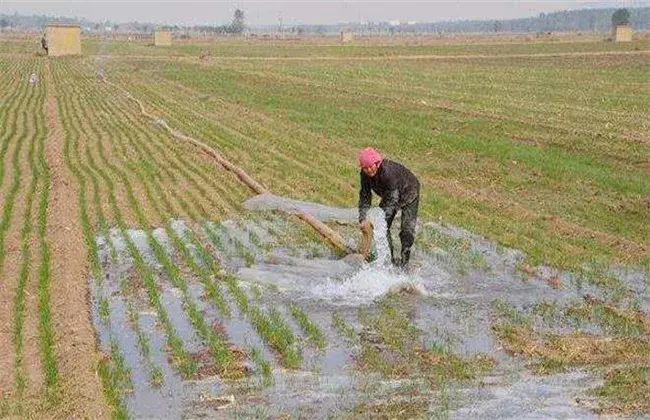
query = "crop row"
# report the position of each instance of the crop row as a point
(267, 326)
(108, 146)
(288, 151)
(457, 131)
(23, 226)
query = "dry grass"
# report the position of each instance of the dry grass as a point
(415, 408)
(557, 352)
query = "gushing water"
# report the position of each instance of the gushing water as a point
(340, 284)
(380, 238)
(374, 279)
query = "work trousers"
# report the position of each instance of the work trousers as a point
(407, 228)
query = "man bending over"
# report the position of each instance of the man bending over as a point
(398, 188)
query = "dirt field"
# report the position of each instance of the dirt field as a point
(136, 282)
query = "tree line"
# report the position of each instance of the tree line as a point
(584, 20)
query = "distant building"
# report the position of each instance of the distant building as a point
(622, 33)
(162, 39)
(62, 40)
(347, 36)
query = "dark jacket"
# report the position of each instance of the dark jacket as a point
(394, 183)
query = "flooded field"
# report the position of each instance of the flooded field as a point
(312, 335)
(127, 178)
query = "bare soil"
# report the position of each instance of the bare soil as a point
(32, 356)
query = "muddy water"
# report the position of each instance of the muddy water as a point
(456, 288)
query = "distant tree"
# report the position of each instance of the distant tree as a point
(621, 17)
(4, 23)
(238, 22)
(497, 26)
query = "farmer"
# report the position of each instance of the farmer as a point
(398, 188)
(44, 44)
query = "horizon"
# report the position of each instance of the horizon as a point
(291, 13)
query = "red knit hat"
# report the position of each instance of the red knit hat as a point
(368, 157)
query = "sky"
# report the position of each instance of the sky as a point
(266, 12)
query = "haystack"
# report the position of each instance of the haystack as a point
(622, 33)
(162, 39)
(346, 37)
(63, 40)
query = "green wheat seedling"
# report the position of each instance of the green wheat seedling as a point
(214, 238)
(175, 343)
(19, 135)
(46, 335)
(188, 169)
(144, 346)
(273, 331)
(112, 380)
(211, 288)
(26, 263)
(277, 335)
(219, 350)
(217, 347)
(314, 333)
(344, 329)
(181, 358)
(104, 311)
(262, 365)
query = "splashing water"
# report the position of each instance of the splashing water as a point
(380, 237)
(374, 279)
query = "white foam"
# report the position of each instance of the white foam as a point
(366, 285)
(373, 280)
(340, 284)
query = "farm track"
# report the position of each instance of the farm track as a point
(460, 57)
